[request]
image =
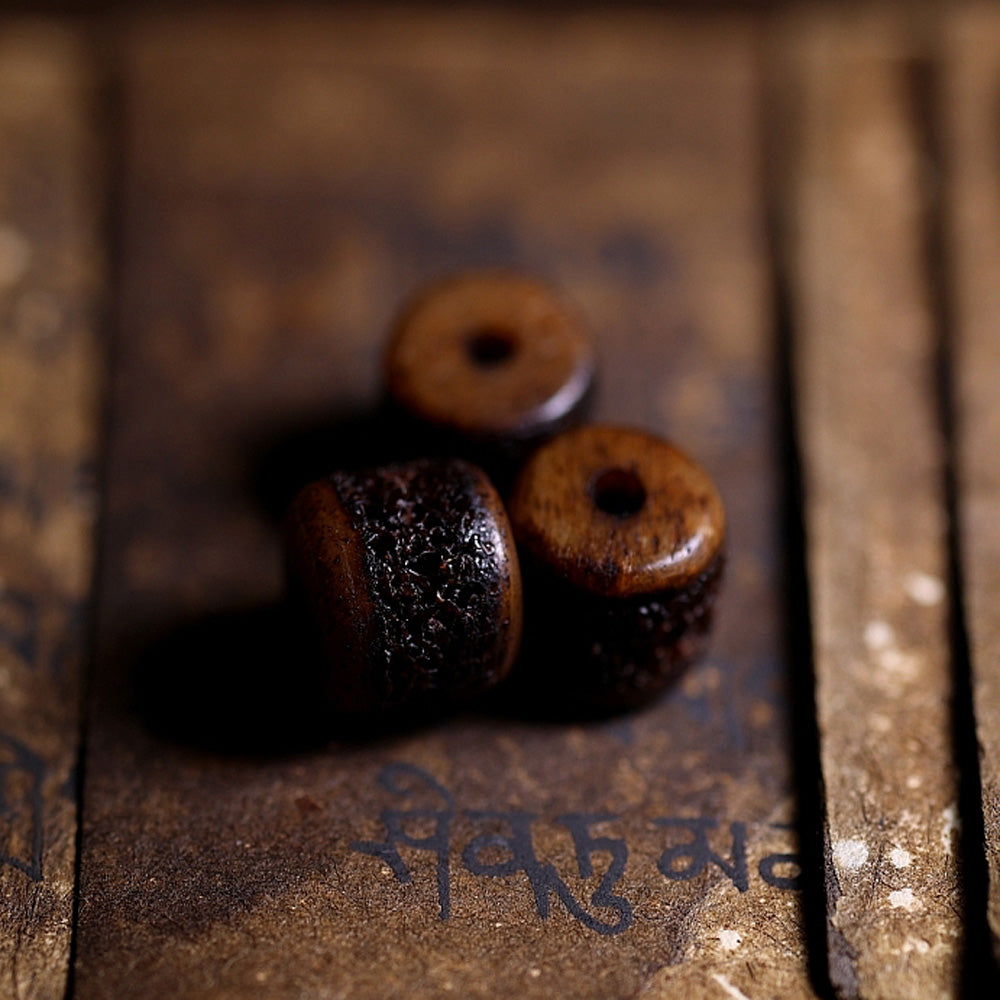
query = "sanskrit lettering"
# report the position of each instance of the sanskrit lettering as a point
(504, 844)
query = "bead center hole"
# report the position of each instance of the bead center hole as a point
(618, 492)
(489, 347)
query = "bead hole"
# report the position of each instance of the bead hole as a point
(618, 492)
(489, 347)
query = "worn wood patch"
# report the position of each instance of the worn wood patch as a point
(968, 111)
(51, 274)
(875, 514)
(288, 182)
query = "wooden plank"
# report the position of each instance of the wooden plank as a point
(289, 181)
(875, 511)
(51, 274)
(971, 92)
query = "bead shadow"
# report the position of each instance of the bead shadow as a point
(541, 700)
(281, 462)
(537, 692)
(247, 681)
(230, 681)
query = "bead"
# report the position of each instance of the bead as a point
(492, 362)
(621, 541)
(411, 582)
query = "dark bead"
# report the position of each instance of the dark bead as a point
(411, 582)
(621, 541)
(489, 365)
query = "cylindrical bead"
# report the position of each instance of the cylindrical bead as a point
(412, 583)
(490, 364)
(621, 539)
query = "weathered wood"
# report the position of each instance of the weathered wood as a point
(968, 114)
(51, 270)
(289, 180)
(875, 512)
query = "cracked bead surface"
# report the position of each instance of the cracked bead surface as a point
(411, 581)
(494, 362)
(621, 536)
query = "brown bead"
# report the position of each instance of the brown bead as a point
(494, 362)
(411, 581)
(621, 540)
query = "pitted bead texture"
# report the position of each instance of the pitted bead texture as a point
(412, 580)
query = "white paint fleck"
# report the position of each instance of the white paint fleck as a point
(879, 722)
(905, 666)
(924, 589)
(732, 991)
(15, 256)
(850, 854)
(914, 781)
(900, 858)
(730, 940)
(951, 826)
(879, 635)
(534, 972)
(903, 899)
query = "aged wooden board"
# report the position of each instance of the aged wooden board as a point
(51, 270)
(971, 98)
(288, 182)
(875, 513)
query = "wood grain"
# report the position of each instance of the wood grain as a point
(289, 182)
(969, 113)
(875, 514)
(51, 361)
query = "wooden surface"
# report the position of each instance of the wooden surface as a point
(51, 366)
(873, 461)
(285, 182)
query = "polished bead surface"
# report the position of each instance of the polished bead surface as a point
(618, 511)
(411, 581)
(492, 357)
(621, 536)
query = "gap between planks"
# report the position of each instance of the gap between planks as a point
(969, 103)
(874, 468)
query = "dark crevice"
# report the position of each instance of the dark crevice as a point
(798, 649)
(808, 775)
(107, 170)
(979, 965)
